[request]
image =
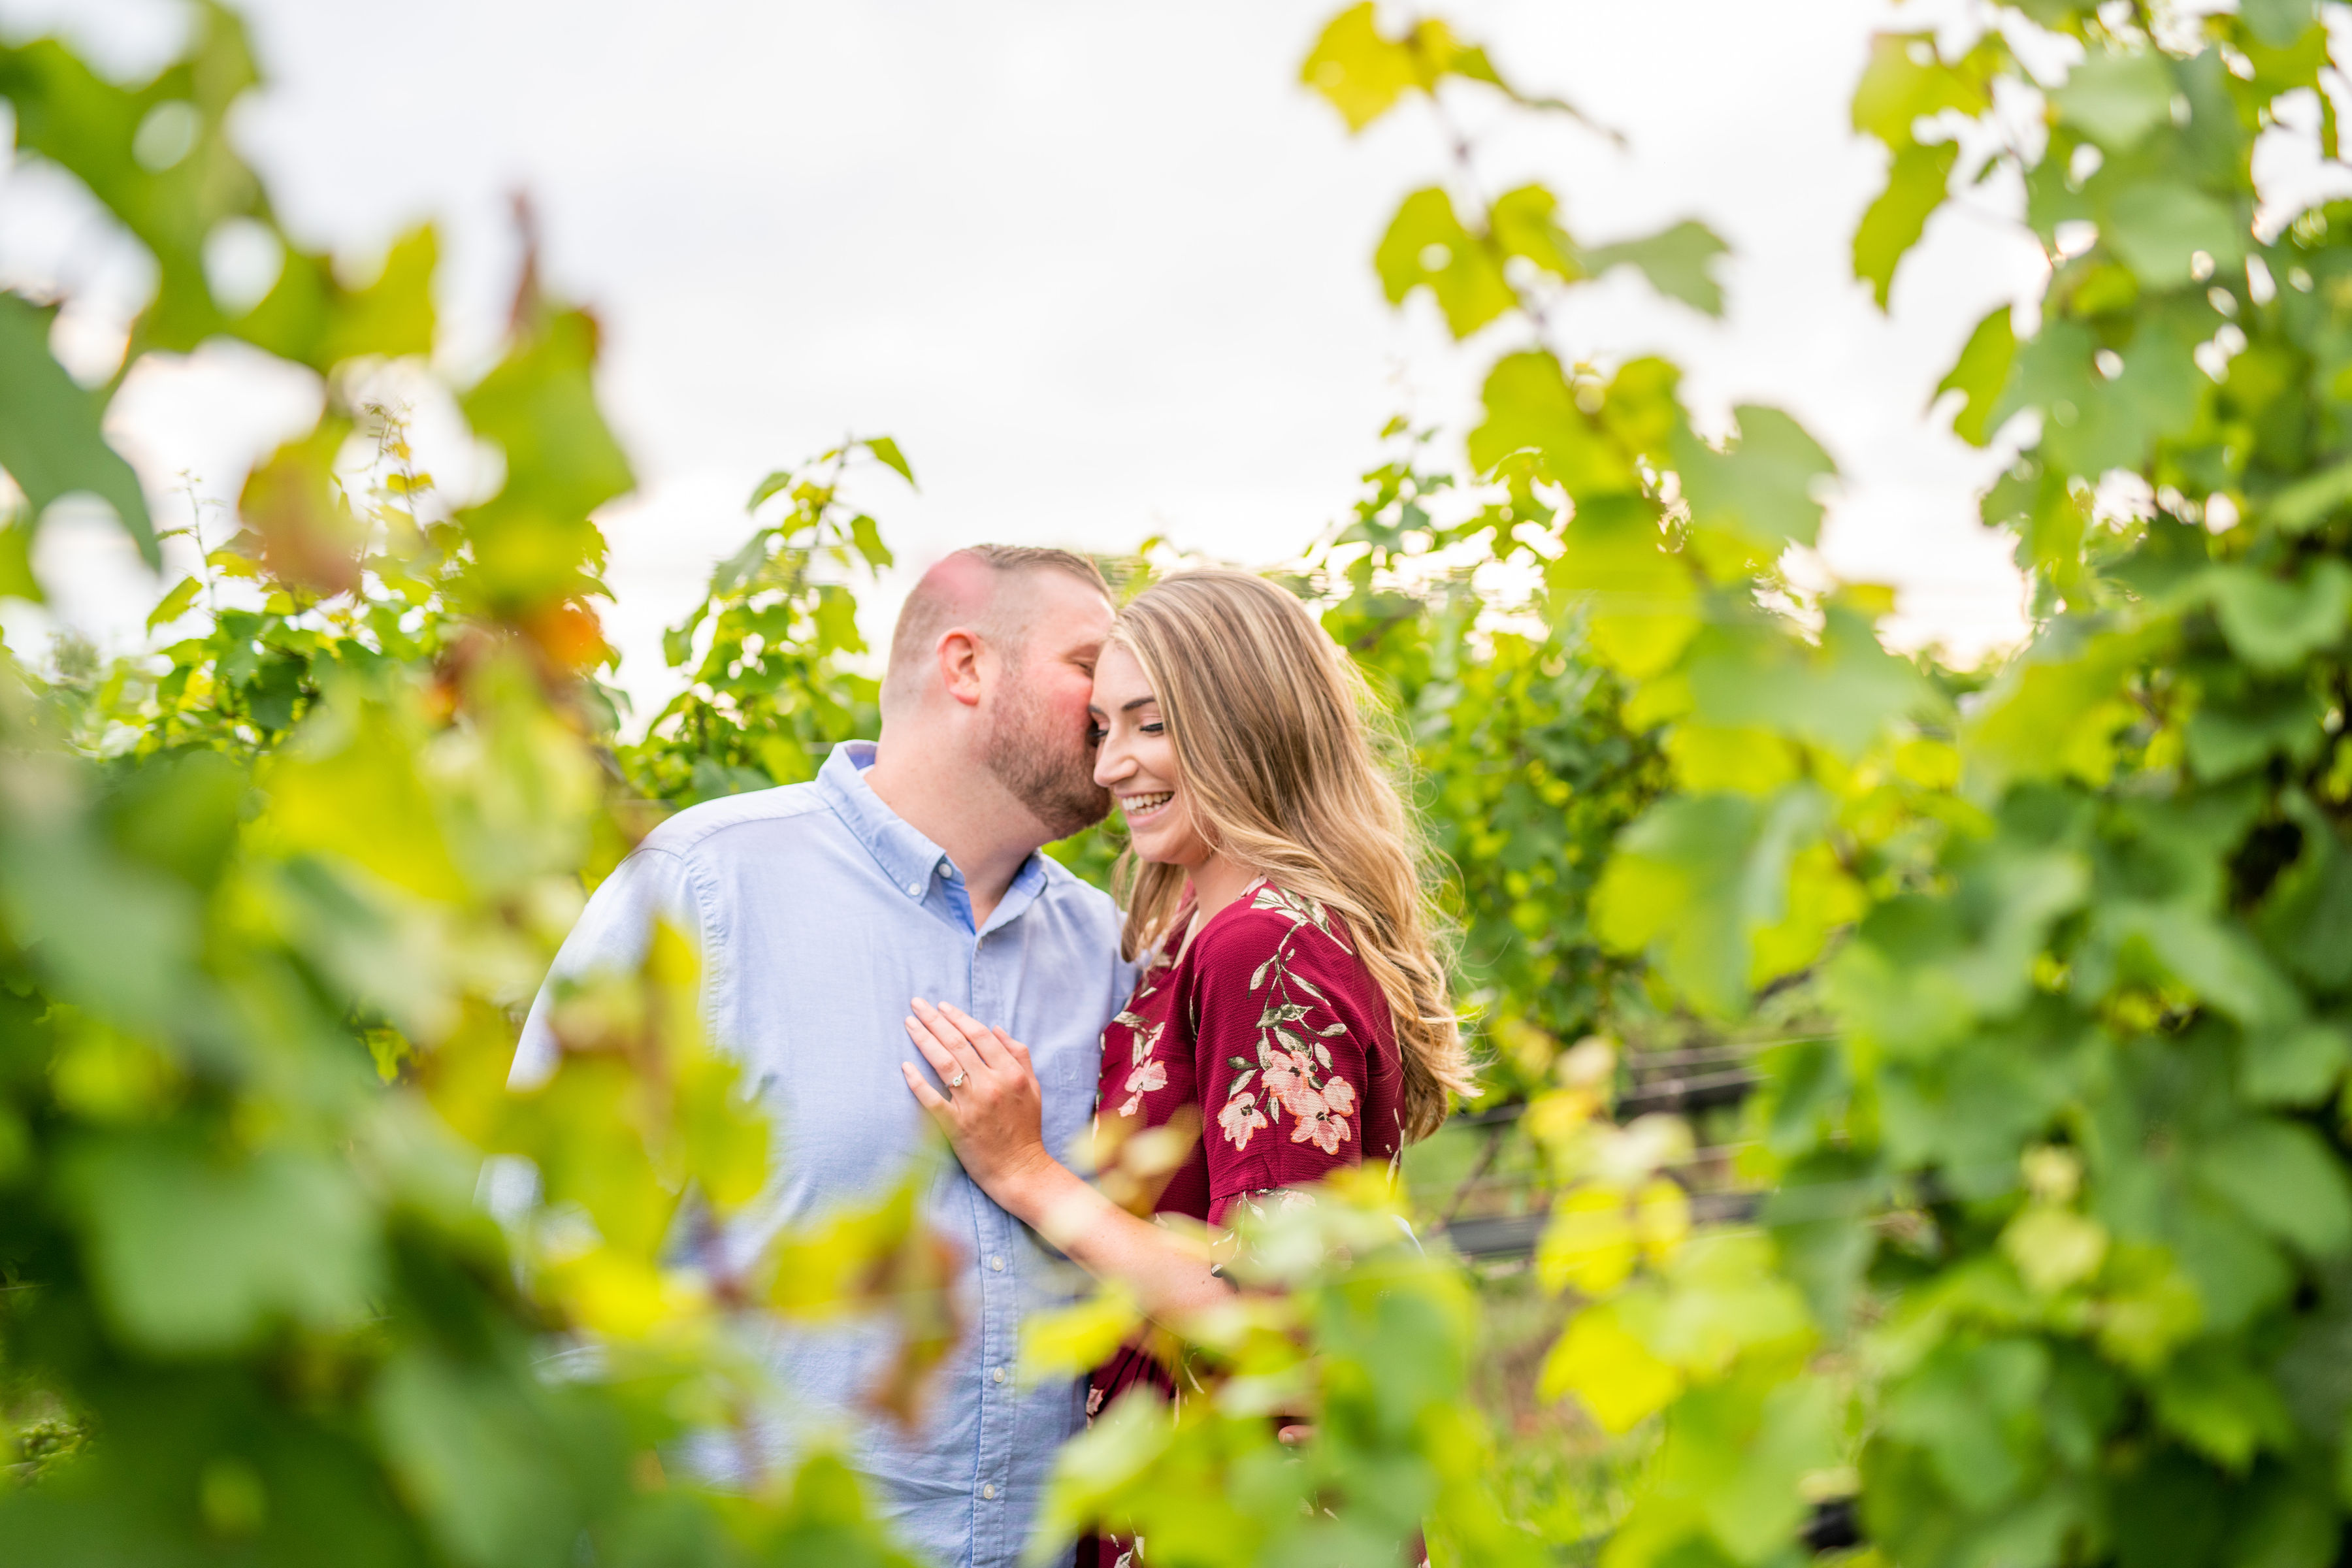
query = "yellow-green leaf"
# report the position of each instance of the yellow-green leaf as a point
(1362, 73)
(1892, 226)
(1906, 81)
(1611, 1371)
(1426, 245)
(1979, 375)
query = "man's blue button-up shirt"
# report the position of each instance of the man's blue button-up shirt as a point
(820, 913)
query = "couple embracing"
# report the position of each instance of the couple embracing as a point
(884, 946)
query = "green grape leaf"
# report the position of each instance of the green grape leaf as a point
(1961, 1405)
(2293, 1066)
(533, 540)
(2279, 23)
(2226, 738)
(2311, 501)
(2222, 1406)
(866, 535)
(2054, 714)
(1358, 72)
(50, 440)
(1841, 693)
(487, 1473)
(1529, 407)
(1979, 374)
(2117, 98)
(2158, 228)
(1524, 223)
(1695, 879)
(2275, 625)
(196, 1254)
(174, 604)
(1426, 247)
(2091, 424)
(1916, 181)
(1750, 502)
(2307, 919)
(1678, 261)
(394, 315)
(1644, 602)
(2282, 1177)
(16, 578)
(1906, 82)
(774, 483)
(885, 449)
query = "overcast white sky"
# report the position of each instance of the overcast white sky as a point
(1102, 270)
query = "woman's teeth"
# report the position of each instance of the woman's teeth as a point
(1137, 805)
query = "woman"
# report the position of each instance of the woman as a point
(1292, 1007)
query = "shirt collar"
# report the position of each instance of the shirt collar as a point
(906, 856)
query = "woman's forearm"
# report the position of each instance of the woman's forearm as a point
(1171, 1274)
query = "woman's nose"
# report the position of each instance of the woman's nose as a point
(1111, 764)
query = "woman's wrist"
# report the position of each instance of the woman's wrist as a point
(1034, 1189)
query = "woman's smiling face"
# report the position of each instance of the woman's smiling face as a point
(1136, 762)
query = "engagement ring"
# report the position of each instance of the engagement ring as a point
(957, 1082)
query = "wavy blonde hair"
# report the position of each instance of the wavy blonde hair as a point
(1276, 757)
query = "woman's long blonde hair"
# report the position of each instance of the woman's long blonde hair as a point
(1268, 720)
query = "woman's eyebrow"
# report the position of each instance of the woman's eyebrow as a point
(1144, 700)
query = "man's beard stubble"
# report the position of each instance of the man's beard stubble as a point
(1046, 764)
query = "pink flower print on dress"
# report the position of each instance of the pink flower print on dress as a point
(1289, 1077)
(1239, 1118)
(1324, 1131)
(1339, 1095)
(1140, 1082)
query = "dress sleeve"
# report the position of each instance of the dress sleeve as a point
(1285, 1039)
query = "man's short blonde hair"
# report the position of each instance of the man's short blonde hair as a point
(935, 605)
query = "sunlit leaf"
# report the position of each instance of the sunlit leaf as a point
(1915, 188)
(1679, 262)
(1979, 374)
(1427, 247)
(50, 443)
(1359, 72)
(885, 449)
(2117, 98)
(1906, 82)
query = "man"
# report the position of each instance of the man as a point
(907, 868)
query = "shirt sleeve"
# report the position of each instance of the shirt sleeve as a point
(1284, 1058)
(614, 931)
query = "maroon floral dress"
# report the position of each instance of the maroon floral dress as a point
(1268, 1030)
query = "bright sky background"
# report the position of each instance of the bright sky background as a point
(1102, 270)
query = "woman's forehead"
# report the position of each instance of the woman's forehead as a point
(1118, 678)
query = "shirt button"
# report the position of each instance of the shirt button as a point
(914, 887)
(989, 1491)
(996, 1261)
(998, 1374)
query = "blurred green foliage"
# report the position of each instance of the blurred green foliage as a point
(2038, 1224)
(269, 900)
(2054, 1199)
(1515, 736)
(774, 684)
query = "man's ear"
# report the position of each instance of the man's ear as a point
(958, 655)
